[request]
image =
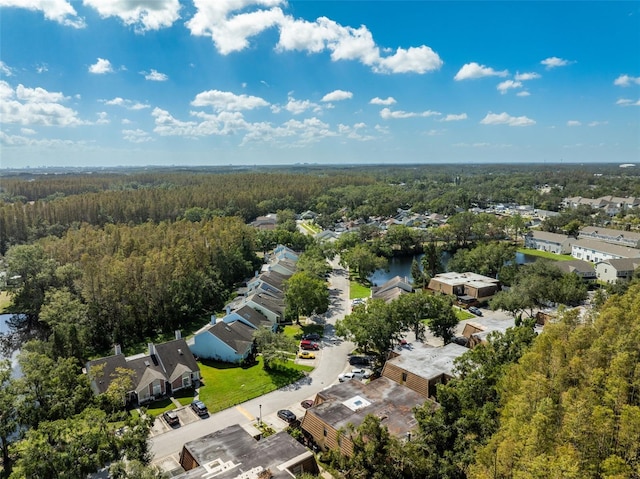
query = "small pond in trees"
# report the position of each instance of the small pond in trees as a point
(4, 328)
(401, 266)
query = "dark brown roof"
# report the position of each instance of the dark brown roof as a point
(174, 354)
(109, 366)
(254, 317)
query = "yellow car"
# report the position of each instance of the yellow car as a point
(306, 355)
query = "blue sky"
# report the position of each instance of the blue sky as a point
(250, 82)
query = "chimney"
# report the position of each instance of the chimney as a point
(213, 319)
(117, 349)
(152, 349)
(178, 334)
(228, 308)
(257, 274)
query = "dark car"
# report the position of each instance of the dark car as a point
(307, 403)
(359, 361)
(286, 415)
(171, 417)
(312, 337)
(199, 408)
(309, 345)
(475, 311)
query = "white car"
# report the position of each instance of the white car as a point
(345, 377)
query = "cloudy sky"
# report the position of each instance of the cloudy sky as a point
(210, 82)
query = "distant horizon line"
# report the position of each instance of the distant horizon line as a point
(285, 165)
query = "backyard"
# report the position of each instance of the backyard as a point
(545, 254)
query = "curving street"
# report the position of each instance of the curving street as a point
(331, 360)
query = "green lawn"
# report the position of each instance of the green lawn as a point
(5, 301)
(156, 408)
(357, 290)
(225, 385)
(463, 314)
(544, 254)
(296, 331)
(184, 396)
(311, 228)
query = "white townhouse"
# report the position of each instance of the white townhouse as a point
(597, 251)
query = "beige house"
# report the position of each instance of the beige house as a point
(470, 286)
(630, 239)
(478, 330)
(597, 251)
(612, 270)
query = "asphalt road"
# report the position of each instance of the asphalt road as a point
(330, 361)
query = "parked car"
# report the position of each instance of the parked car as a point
(357, 371)
(345, 377)
(359, 360)
(199, 408)
(307, 403)
(306, 355)
(308, 344)
(286, 415)
(474, 310)
(171, 417)
(312, 337)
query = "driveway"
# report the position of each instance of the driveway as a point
(330, 362)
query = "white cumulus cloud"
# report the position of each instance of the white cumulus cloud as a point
(382, 101)
(627, 102)
(143, 15)
(300, 106)
(5, 69)
(506, 119)
(474, 70)
(453, 117)
(507, 85)
(527, 76)
(35, 106)
(154, 75)
(523, 93)
(136, 136)
(574, 123)
(227, 101)
(387, 114)
(59, 11)
(554, 62)
(101, 67)
(128, 104)
(231, 23)
(626, 80)
(337, 95)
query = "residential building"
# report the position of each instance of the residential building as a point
(597, 251)
(267, 222)
(422, 368)
(584, 269)
(270, 306)
(392, 289)
(468, 287)
(348, 403)
(613, 270)
(233, 453)
(550, 242)
(269, 281)
(630, 239)
(477, 330)
(167, 367)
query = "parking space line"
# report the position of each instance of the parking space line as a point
(245, 413)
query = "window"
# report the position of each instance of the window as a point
(404, 377)
(186, 380)
(324, 432)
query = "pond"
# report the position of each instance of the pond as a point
(401, 266)
(14, 357)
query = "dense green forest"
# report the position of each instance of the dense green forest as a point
(37, 204)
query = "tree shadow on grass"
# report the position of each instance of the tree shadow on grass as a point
(283, 376)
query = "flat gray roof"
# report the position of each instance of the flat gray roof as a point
(429, 362)
(393, 403)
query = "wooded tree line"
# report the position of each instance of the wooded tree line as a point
(33, 206)
(97, 286)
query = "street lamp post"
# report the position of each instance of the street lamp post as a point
(260, 421)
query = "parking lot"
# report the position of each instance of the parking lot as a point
(186, 416)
